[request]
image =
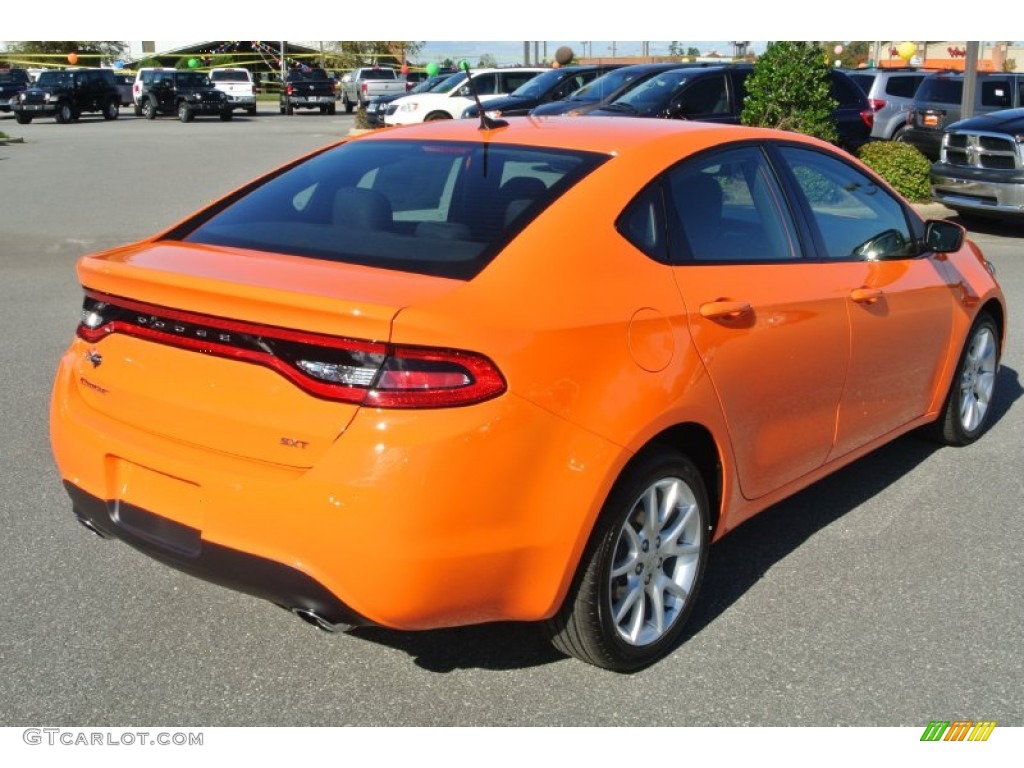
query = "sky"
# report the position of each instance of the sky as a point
(516, 20)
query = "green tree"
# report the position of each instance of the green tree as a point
(52, 52)
(692, 51)
(349, 54)
(855, 53)
(789, 89)
(487, 60)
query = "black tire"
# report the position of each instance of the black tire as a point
(184, 112)
(966, 413)
(251, 111)
(22, 118)
(149, 109)
(332, 109)
(65, 113)
(289, 110)
(609, 619)
(349, 106)
(323, 109)
(437, 116)
(137, 110)
(900, 134)
(227, 116)
(111, 110)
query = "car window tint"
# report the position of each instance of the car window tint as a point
(996, 94)
(940, 89)
(438, 208)
(707, 96)
(856, 218)
(843, 91)
(643, 223)
(729, 207)
(905, 87)
(864, 81)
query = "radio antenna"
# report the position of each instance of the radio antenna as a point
(486, 123)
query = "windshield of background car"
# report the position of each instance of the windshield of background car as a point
(430, 84)
(429, 207)
(653, 95)
(192, 80)
(451, 82)
(8, 76)
(54, 79)
(605, 85)
(539, 85)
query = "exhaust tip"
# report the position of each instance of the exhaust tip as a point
(312, 617)
(90, 526)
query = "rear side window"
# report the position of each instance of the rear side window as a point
(903, 87)
(996, 94)
(845, 92)
(437, 208)
(236, 76)
(864, 82)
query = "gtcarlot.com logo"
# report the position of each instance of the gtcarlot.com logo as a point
(958, 730)
(70, 737)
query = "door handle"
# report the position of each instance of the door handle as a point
(725, 309)
(866, 295)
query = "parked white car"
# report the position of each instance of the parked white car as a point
(238, 85)
(448, 101)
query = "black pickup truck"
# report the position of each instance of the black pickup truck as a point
(308, 88)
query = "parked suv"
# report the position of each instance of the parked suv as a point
(12, 82)
(66, 94)
(716, 94)
(182, 93)
(890, 94)
(981, 166)
(553, 85)
(937, 104)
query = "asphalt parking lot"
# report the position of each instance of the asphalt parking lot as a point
(888, 594)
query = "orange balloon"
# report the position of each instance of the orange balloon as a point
(72, 58)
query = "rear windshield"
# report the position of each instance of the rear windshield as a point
(941, 90)
(236, 76)
(378, 74)
(436, 208)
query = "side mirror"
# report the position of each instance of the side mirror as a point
(943, 236)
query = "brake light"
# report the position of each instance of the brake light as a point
(288, 89)
(876, 104)
(353, 371)
(365, 87)
(868, 117)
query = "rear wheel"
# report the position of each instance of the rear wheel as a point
(111, 110)
(251, 111)
(900, 134)
(331, 109)
(149, 109)
(184, 112)
(349, 106)
(969, 402)
(641, 571)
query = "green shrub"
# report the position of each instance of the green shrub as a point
(790, 89)
(902, 165)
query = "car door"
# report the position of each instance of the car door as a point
(769, 324)
(898, 300)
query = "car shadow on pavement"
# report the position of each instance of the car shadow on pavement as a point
(735, 565)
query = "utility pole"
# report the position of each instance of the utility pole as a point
(970, 79)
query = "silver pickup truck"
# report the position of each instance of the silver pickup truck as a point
(361, 86)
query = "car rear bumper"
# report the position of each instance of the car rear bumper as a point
(929, 142)
(412, 520)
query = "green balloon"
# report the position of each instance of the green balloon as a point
(433, 69)
(193, 63)
(464, 65)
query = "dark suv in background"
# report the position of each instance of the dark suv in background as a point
(12, 82)
(182, 93)
(716, 94)
(66, 94)
(937, 104)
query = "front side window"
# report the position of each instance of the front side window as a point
(438, 208)
(855, 218)
(707, 96)
(996, 94)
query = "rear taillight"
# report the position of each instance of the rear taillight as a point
(876, 104)
(288, 89)
(365, 87)
(335, 368)
(868, 117)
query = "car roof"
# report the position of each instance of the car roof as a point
(606, 135)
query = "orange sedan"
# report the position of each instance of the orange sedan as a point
(449, 374)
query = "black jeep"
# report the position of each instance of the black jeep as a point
(66, 94)
(182, 93)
